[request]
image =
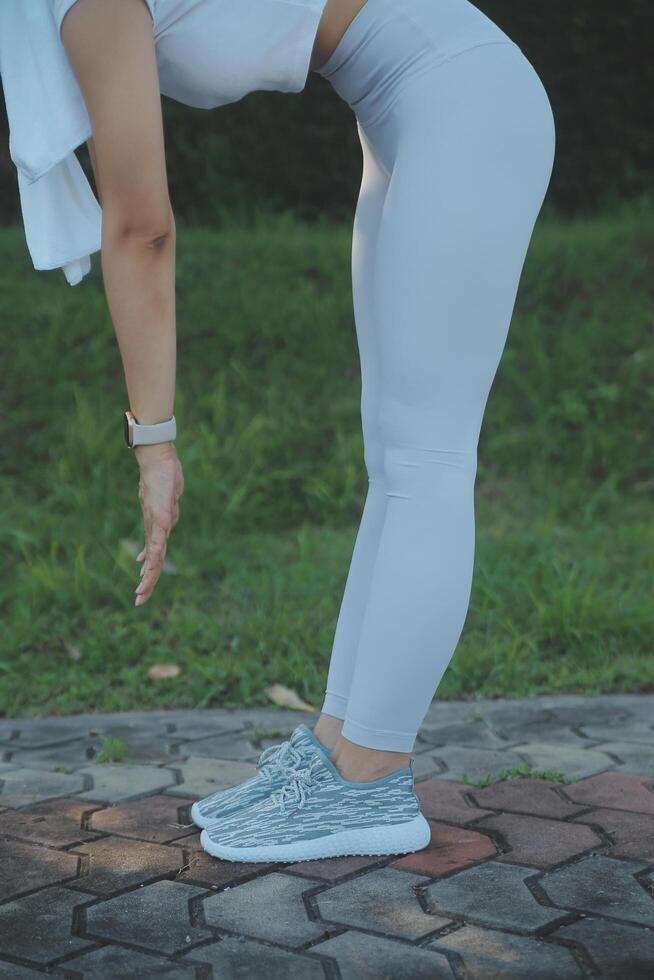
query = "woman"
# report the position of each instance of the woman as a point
(457, 137)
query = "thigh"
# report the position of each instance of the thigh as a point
(469, 147)
(365, 232)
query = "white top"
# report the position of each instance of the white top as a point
(209, 53)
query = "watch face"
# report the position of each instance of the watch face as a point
(126, 428)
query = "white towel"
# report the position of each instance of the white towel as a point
(48, 119)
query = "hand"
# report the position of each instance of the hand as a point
(161, 485)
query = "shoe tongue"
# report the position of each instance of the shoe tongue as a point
(303, 739)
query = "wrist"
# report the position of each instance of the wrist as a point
(155, 452)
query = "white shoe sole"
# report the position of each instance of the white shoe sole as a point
(399, 838)
(198, 819)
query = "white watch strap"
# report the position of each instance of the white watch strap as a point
(149, 435)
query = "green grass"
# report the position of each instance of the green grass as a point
(112, 750)
(269, 434)
(518, 772)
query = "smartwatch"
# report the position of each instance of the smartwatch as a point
(148, 435)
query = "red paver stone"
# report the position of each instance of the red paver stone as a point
(538, 797)
(442, 799)
(26, 867)
(117, 862)
(539, 842)
(633, 833)
(450, 849)
(616, 790)
(201, 868)
(334, 869)
(156, 818)
(56, 822)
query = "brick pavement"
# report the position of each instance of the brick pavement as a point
(103, 876)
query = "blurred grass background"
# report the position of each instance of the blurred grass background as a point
(268, 406)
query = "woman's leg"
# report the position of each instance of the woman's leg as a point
(469, 148)
(374, 183)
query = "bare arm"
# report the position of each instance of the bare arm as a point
(111, 51)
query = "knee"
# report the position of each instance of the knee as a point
(429, 471)
(148, 227)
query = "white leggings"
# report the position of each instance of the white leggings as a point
(458, 140)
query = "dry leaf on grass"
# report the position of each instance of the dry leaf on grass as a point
(287, 698)
(162, 672)
(72, 651)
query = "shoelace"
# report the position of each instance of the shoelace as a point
(278, 759)
(298, 787)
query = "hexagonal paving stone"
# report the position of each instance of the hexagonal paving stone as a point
(361, 956)
(425, 765)
(573, 762)
(443, 800)
(618, 790)
(580, 711)
(441, 712)
(201, 868)
(629, 730)
(115, 783)
(197, 725)
(10, 971)
(237, 958)
(230, 745)
(538, 725)
(633, 833)
(26, 867)
(55, 822)
(200, 777)
(450, 849)
(114, 963)
(37, 733)
(602, 886)
(115, 863)
(638, 759)
(475, 763)
(269, 908)
(72, 755)
(539, 797)
(333, 869)
(37, 927)
(154, 917)
(537, 841)
(155, 818)
(383, 901)
(81, 752)
(490, 955)
(620, 951)
(492, 894)
(472, 733)
(22, 787)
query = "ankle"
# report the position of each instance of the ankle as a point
(359, 764)
(327, 730)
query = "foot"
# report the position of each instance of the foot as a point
(359, 763)
(275, 765)
(318, 814)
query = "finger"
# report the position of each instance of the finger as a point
(141, 555)
(156, 552)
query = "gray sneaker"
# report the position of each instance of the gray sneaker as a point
(276, 765)
(318, 814)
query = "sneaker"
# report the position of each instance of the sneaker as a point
(318, 814)
(275, 764)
